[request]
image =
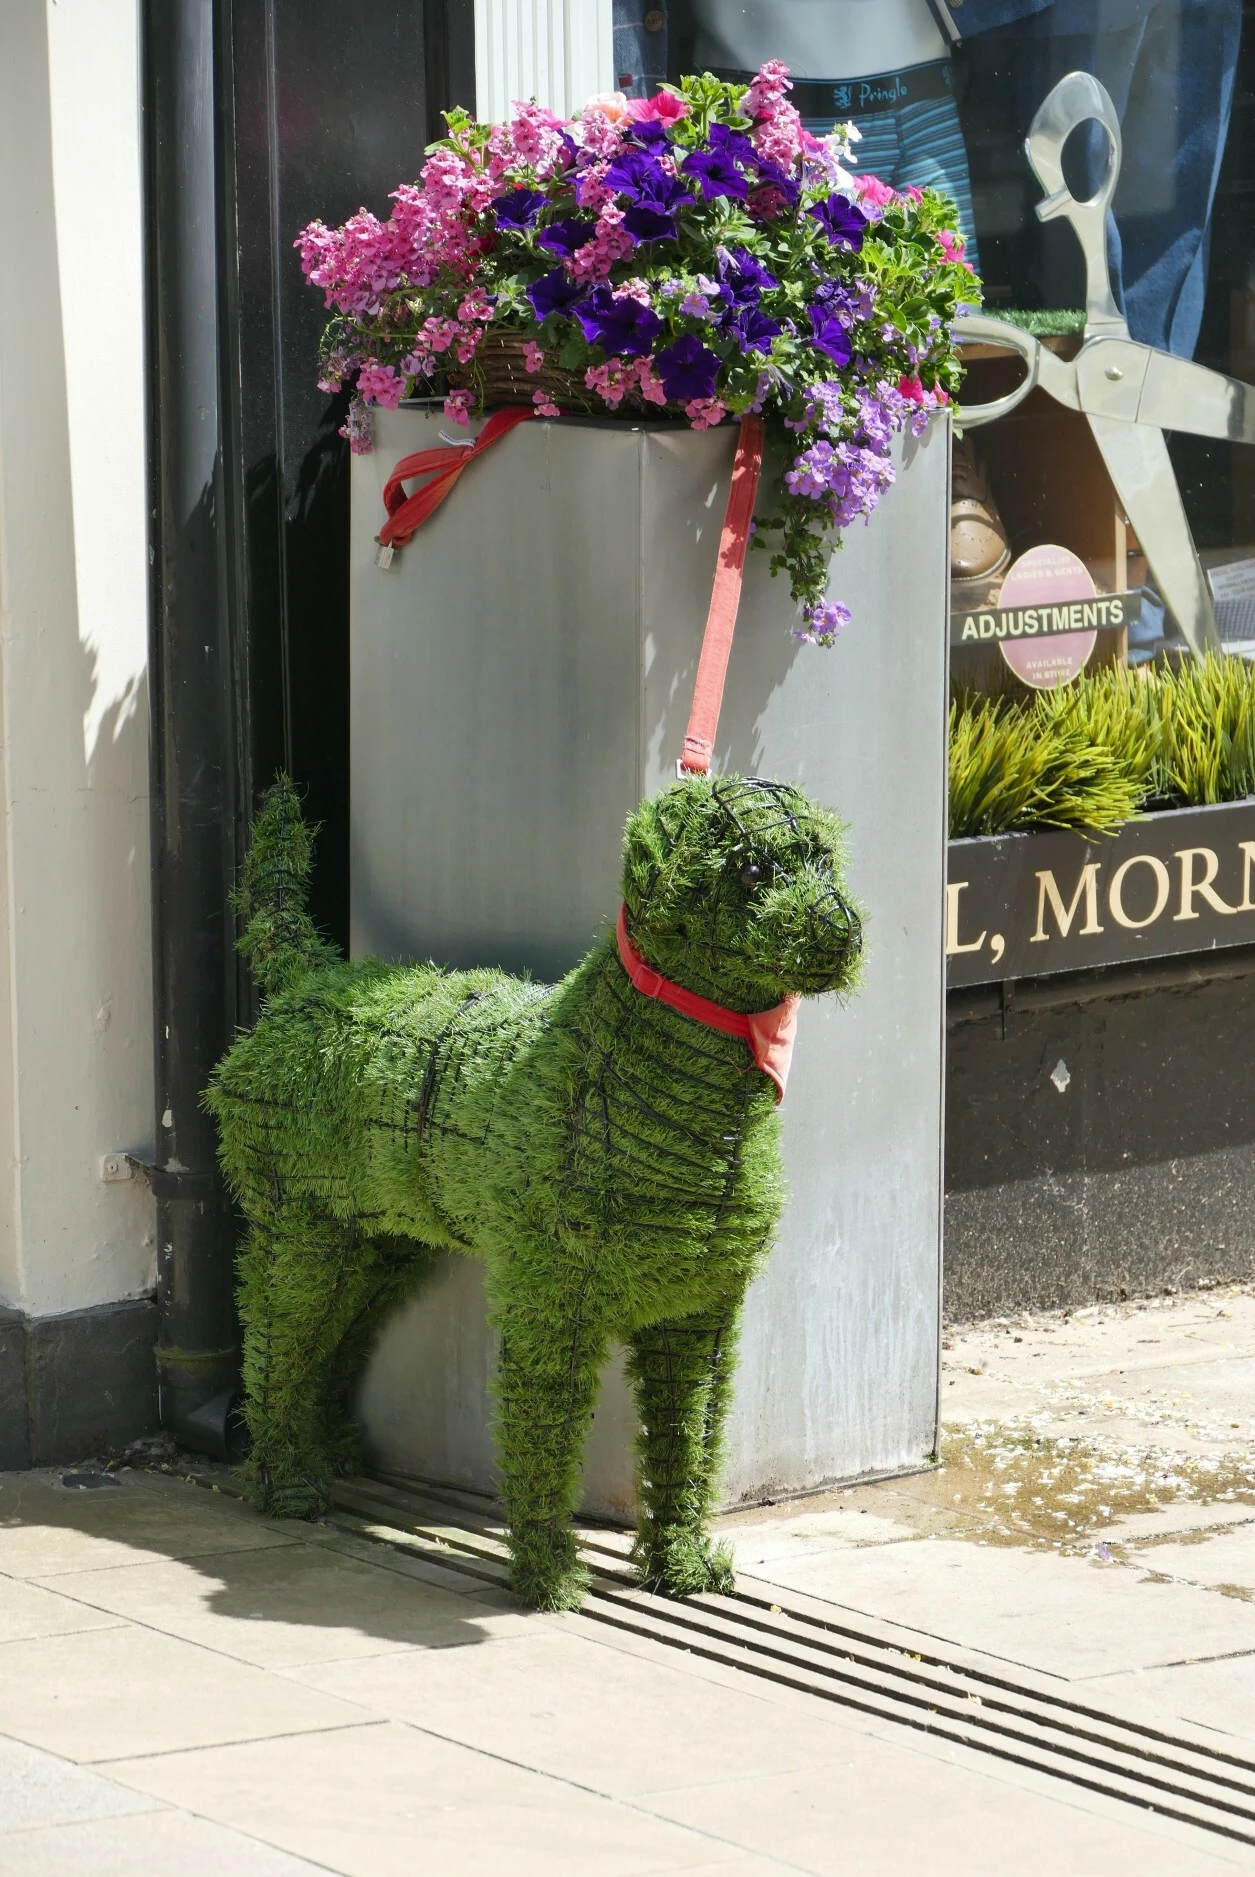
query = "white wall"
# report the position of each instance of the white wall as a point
(75, 996)
(557, 51)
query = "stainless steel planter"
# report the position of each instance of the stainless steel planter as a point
(521, 677)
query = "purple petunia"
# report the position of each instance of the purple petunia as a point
(829, 336)
(742, 278)
(717, 174)
(648, 224)
(752, 328)
(564, 237)
(842, 221)
(734, 145)
(555, 293)
(774, 176)
(688, 369)
(518, 208)
(619, 324)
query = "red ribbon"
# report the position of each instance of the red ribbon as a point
(406, 513)
(770, 1033)
(725, 600)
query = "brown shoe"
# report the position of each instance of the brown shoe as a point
(978, 541)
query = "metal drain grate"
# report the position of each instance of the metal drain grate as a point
(875, 1669)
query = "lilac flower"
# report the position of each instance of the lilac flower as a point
(554, 293)
(829, 336)
(841, 220)
(618, 323)
(564, 237)
(717, 174)
(518, 208)
(824, 622)
(688, 370)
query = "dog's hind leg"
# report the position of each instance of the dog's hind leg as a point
(547, 1374)
(682, 1372)
(306, 1281)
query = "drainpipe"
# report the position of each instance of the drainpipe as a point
(195, 733)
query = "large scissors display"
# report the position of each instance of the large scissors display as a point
(1130, 393)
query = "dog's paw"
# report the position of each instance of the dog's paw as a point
(545, 1573)
(678, 1563)
(299, 1497)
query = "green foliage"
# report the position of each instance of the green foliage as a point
(1093, 754)
(1044, 322)
(1209, 725)
(615, 1165)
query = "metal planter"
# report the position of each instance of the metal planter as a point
(521, 676)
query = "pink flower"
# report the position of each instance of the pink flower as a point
(651, 386)
(914, 191)
(665, 107)
(457, 407)
(533, 357)
(545, 407)
(913, 389)
(873, 193)
(951, 244)
(705, 413)
(380, 384)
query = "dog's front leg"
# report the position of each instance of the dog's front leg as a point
(550, 1360)
(682, 1371)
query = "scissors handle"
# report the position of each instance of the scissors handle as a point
(978, 326)
(1076, 100)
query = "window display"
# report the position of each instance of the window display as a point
(1156, 497)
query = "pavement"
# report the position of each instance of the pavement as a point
(186, 1688)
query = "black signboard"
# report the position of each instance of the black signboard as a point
(1023, 905)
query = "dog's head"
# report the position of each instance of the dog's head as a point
(733, 888)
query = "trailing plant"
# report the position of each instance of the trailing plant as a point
(1095, 753)
(697, 254)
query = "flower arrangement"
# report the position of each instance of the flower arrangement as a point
(697, 254)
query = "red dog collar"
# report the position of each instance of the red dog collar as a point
(769, 1033)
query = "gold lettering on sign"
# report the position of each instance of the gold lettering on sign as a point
(953, 946)
(1203, 889)
(1248, 875)
(1048, 890)
(1115, 892)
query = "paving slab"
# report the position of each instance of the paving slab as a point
(1065, 1616)
(1218, 1695)
(27, 1610)
(915, 1812)
(567, 1705)
(38, 1788)
(104, 1693)
(389, 1800)
(46, 1528)
(291, 1604)
(162, 1843)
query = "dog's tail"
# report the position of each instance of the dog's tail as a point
(279, 938)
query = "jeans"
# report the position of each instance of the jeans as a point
(1170, 71)
(640, 55)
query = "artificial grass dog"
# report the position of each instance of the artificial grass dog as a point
(614, 1162)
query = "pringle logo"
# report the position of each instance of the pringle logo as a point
(1025, 905)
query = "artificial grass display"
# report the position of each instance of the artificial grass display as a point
(614, 1163)
(1095, 753)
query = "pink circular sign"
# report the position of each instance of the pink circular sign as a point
(1037, 592)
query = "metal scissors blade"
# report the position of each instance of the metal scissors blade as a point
(1143, 477)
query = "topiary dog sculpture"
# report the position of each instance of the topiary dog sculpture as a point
(613, 1160)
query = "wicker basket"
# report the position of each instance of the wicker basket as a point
(499, 374)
